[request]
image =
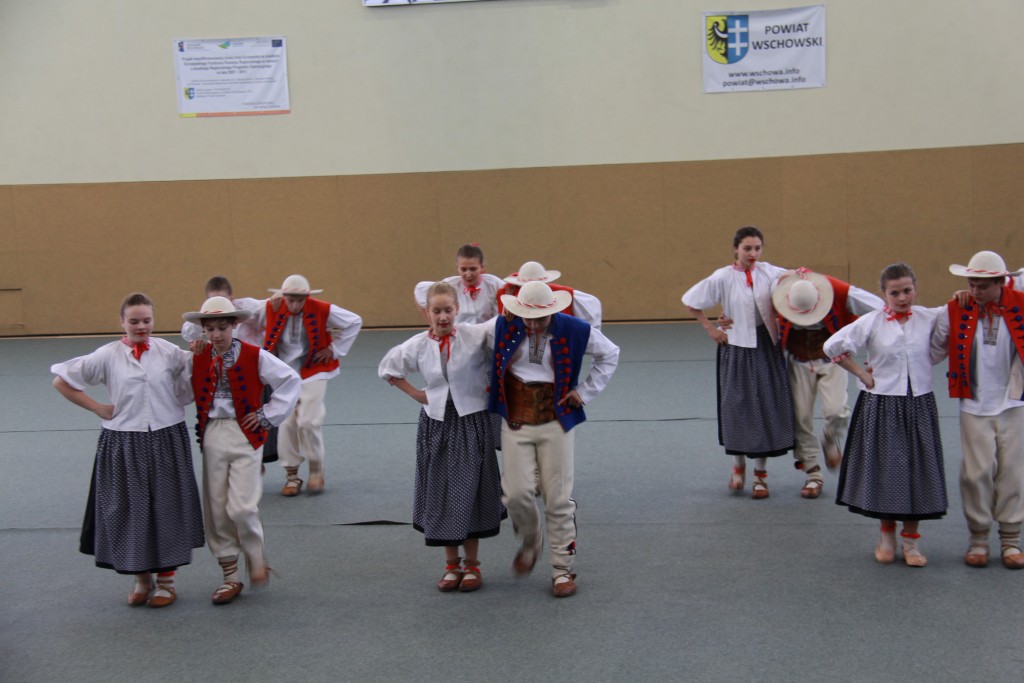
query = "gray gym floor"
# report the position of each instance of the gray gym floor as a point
(678, 580)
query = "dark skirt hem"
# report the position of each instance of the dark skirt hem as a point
(157, 570)
(438, 543)
(769, 454)
(898, 517)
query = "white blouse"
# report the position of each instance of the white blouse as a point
(728, 286)
(148, 394)
(471, 310)
(895, 352)
(467, 368)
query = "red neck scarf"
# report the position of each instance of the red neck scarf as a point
(893, 315)
(444, 343)
(137, 349)
(749, 272)
(472, 291)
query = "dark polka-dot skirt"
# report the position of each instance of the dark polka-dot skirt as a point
(892, 463)
(755, 407)
(458, 484)
(143, 513)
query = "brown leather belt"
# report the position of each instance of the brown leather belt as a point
(529, 403)
(807, 345)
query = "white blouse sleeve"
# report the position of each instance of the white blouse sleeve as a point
(83, 371)
(587, 308)
(419, 293)
(286, 385)
(402, 360)
(349, 325)
(852, 339)
(705, 294)
(606, 359)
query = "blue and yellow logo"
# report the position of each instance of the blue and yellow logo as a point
(190, 93)
(728, 37)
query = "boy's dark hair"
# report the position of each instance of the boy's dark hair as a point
(135, 299)
(471, 251)
(204, 321)
(219, 283)
(748, 231)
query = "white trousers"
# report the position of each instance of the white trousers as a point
(992, 472)
(545, 450)
(231, 494)
(301, 436)
(807, 380)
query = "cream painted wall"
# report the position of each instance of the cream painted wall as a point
(87, 88)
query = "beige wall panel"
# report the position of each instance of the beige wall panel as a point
(10, 275)
(390, 243)
(914, 207)
(636, 236)
(86, 246)
(611, 231)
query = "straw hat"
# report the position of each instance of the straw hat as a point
(297, 285)
(531, 271)
(536, 300)
(803, 297)
(982, 264)
(216, 307)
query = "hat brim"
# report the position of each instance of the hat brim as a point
(549, 276)
(780, 298)
(562, 301)
(283, 292)
(964, 271)
(199, 316)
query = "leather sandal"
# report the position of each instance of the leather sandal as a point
(912, 556)
(292, 487)
(163, 596)
(977, 556)
(451, 578)
(226, 592)
(138, 599)
(471, 578)
(316, 483)
(759, 490)
(738, 478)
(811, 489)
(563, 589)
(833, 454)
(885, 549)
(1013, 558)
(526, 558)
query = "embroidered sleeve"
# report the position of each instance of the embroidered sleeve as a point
(841, 357)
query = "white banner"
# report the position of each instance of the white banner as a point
(773, 50)
(231, 77)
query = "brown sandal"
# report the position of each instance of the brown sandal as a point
(759, 490)
(226, 592)
(737, 480)
(812, 487)
(471, 579)
(292, 487)
(451, 578)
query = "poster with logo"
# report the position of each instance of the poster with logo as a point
(771, 50)
(231, 77)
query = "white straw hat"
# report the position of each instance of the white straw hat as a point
(295, 284)
(983, 264)
(803, 297)
(216, 307)
(536, 300)
(531, 271)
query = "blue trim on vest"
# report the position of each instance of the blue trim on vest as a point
(568, 342)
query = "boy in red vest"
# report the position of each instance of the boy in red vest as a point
(309, 335)
(984, 338)
(232, 423)
(812, 307)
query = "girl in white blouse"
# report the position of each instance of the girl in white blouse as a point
(892, 467)
(457, 496)
(755, 406)
(143, 515)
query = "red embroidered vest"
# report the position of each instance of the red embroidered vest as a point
(314, 319)
(836, 319)
(963, 324)
(506, 289)
(246, 390)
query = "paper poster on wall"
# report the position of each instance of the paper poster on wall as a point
(393, 3)
(771, 50)
(232, 76)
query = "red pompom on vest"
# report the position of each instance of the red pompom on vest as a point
(963, 324)
(246, 390)
(314, 319)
